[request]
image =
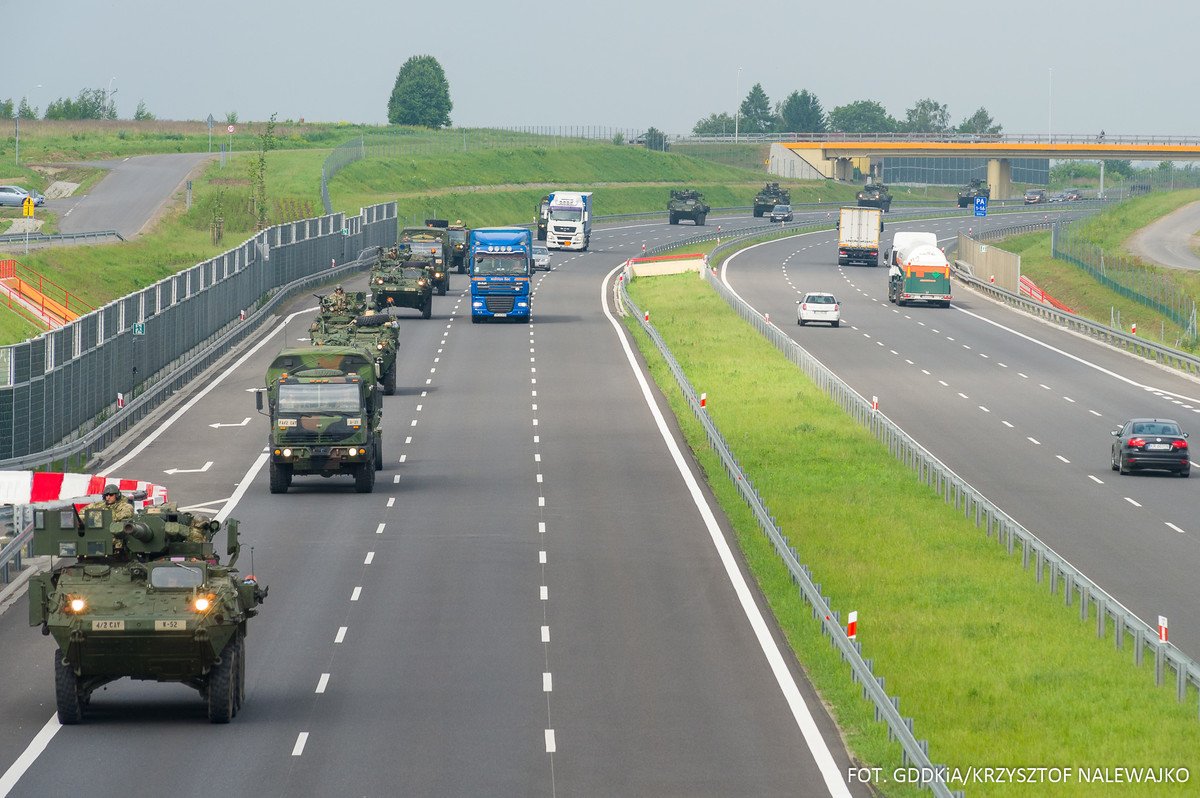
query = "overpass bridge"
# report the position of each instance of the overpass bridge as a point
(835, 156)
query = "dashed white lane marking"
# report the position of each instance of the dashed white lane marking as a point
(535, 408)
(1093, 412)
(541, 527)
(391, 501)
(1043, 385)
(537, 457)
(984, 409)
(323, 682)
(535, 422)
(1177, 529)
(943, 383)
(545, 593)
(408, 439)
(370, 558)
(379, 529)
(542, 557)
(547, 683)
(539, 477)
(1131, 501)
(420, 407)
(357, 592)
(1034, 441)
(545, 634)
(551, 746)
(1060, 457)
(536, 439)
(541, 501)
(1007, 424)
(301, 741)
(396, 479)
(963, 395)
(403, 458)
(1097, 480)
(414, 423)
(1022, 375)
(1069, 399)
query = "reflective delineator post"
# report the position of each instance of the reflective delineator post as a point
(643, 248)
(333, 263)
(647, 316)
(852, 624)
(874, 403)
(120, 400)
(1162, 628)
(704, 400)
(1133, 328)
(242, 316)
(767, 316)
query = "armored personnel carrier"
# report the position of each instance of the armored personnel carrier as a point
(875, 195)
(376, 333)
(978, 187)
(769, 197)
(398, 281)
(144, 598)
(687, 204)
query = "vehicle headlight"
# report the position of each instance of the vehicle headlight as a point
(378, 281)
(203, 603)
(287, 452)
(76, 604)
(379, 346)
(422, 281)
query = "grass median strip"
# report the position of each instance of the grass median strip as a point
(993, 668)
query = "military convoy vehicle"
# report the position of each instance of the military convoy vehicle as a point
(430, 245)
(543, 217)
(326, 410)
(458, 246)
(144, 598)
(769, 197)
(978, 187)
(397, 281)
(376, 333)
(687, 204)
(875, 195)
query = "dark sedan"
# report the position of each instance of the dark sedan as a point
(781, 213)
(1152, 444)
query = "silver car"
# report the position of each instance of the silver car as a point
(14, 196)
(541, 258)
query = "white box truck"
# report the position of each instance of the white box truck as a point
(858, 236)
(570, 224)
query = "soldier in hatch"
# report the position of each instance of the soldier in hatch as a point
(112, 500)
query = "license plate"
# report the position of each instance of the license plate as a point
(1158, 447)
(287, 422)
(174, 625)
(108, 626)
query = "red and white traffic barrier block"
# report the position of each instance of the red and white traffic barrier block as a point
(27, 487)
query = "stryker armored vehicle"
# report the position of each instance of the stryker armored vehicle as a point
(326, 412)
(378, 334)
(769, 197)
(978, 187)
(687, 204)
(145, 598)
(430, 245)
(397, 281)
(875, 195)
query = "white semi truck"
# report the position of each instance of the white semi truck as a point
(570, 225)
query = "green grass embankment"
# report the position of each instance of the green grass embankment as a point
(993, 668)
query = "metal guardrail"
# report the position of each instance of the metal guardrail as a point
(17, 520)
(887, 708)
(195, 362)
(50, 238)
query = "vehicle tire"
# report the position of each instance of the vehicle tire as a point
(835, 324)
(1185, 473)
(945, 304)
(364, 478)
(281, 477)
(701, 219)
(474, 319)
(587, 242)
(427, 308)
(900, 302)
(1121, 469)
(379, 452)
(222, 685)
(1112, 461)
(67, 692)
(672, 219)
(757, 213)
(389, 381)
(239, 696)
(801, 322)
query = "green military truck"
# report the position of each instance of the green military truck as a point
(326, 410)
(145, 598)
(399, 282)
(687, 204)
(769, 197)
(543, 217)
(431, 245)
(376, 333)
(978, 187)
(458, 246)
(875, 195)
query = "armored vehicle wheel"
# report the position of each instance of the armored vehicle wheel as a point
(67, 692)
(674, 219)
(364, 478)
(701, 219)
(427, 308)
(239, 697)
(389, 381)
(379, 452)
(442, 288)
(281, 477)
(222, 685)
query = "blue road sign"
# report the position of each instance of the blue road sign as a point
(981, 206)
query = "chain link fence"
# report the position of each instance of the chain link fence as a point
(72, 391)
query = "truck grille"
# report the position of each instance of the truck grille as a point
(566, 230)
(500, 304)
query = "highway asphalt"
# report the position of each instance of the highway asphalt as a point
(1172, 240)
(1018, 407)
(535, 600)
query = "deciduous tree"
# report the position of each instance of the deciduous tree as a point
(801, 112)
(421, 95)
(980, 123)
(927, 116)
(862, 116)
(714, 125)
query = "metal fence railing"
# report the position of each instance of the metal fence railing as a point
(16, 540)
(61, 394)
(59, 238)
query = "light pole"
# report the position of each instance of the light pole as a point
(108, 96)
(1050, 109)
(17, 124)
(737, 107)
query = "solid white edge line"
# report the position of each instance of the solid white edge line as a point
(242, 487)
(783, 676)
(35, 748)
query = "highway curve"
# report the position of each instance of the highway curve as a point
(529, 604)
(1018, 407)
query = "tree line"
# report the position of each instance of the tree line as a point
(88, 104)
(802, 112)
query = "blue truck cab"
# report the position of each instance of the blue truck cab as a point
(500, 264)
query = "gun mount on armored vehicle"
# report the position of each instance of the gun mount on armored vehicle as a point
(375, 333)
(875, 195)
(144, 598)
(769, 197)
(687, 204)
(398, 281)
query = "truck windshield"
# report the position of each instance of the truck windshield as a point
(501, 265)
(426, 248)
(319, 398)
(176, 575)
(566, 214)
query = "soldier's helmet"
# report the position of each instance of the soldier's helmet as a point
(111, 490)
(339, 289)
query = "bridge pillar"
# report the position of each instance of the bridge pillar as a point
(999, 177)
(843, 170)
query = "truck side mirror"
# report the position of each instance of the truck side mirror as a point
(258, 403)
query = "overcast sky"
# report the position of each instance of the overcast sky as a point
(1074, 66)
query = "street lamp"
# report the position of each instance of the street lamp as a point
(737, 107)
(108, 95)
(17, 124)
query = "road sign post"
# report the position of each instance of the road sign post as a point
(27, 212)
(981, 204)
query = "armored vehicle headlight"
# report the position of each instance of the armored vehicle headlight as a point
(76, 604)
(378, 281)
(203, 603)
(422, 281)
(287, 452)
(379, 346)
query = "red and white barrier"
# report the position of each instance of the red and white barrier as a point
(1162, 628)
(26, 487)
(852, 624)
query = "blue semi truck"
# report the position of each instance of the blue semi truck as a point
(500, 263)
